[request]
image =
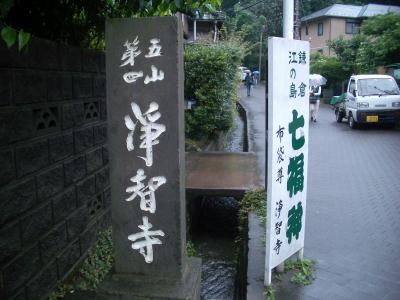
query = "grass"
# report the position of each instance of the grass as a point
(302, 274)
(255, 201)
(190, 250)
(95, 267)
(269, 293)
(93, 270)
(303, 271)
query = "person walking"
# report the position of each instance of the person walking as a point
(315, 93)
(255, 77)
(248, 81)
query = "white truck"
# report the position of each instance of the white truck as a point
(370, 99)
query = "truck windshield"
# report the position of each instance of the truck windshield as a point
(377, 86)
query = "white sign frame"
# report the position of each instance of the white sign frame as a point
(288, 72)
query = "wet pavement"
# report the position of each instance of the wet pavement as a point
(255, 108)
(353, 208)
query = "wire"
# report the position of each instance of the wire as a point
(243, 8)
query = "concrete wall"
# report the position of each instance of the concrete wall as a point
(333, 29)
(54, 184)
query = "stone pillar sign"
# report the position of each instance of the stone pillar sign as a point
(145, 106)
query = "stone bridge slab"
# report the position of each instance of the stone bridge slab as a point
(221, 173)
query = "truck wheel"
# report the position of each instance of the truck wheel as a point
(339, 116)
(352, 123)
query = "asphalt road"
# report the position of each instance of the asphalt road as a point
(353, 208)
(353, 212)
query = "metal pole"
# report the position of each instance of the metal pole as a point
(288, 10)
(259, 56)
(215, 31)
(297, 19)
(194, 30)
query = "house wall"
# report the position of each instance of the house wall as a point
(204, 29)
(54, 184)
(333, 29)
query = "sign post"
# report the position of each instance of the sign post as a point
(144, 61)
(288, 124)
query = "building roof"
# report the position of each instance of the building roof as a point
(376, 9)
(351, 11)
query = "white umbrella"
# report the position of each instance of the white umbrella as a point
(316, 79)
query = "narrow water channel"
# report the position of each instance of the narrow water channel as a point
(215, 231)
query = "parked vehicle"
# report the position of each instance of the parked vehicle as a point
(369, 99)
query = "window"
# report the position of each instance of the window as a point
(320, 29)
(377, 86)
(306, 30)
(352, 86)
(352, 27)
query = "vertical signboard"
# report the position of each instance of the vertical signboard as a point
(146, 147)
(288, 123)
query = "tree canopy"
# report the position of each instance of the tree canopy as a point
(81, 22)
(378, 44)
(381, 44)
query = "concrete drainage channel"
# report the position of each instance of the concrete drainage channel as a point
(214, 228)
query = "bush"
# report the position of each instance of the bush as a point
(331, 68)
(212, 79)
(377, 45)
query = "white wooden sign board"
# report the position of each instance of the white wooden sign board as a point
(288, 124)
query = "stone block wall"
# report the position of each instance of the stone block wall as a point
(54, 175)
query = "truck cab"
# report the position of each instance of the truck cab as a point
(372, 99)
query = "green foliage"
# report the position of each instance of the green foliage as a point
(329, 67)
(346, 51)
(377, 45)
(61, 291)
(382, 42)
(23, 39)
(170, 7)
(93, 269)
(190, 250)
(5, 6)
(98, 263)
(211, 77)
(253, 201)
(10, 36)
(269, 293)
(82, 23)
(250, 26)
(303, 271)
(191, 145)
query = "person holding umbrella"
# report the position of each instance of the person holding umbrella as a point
(256, 75)
(316, 81)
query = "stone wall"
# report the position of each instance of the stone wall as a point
(54, 176)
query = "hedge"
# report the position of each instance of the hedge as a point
(212, 79)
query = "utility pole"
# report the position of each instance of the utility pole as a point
(288, 19)
(288, 12)
(297, 19)
(260, 51)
